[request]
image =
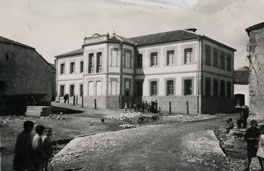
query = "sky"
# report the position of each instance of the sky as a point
(54, 27)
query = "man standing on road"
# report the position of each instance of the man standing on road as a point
(24, 155)
(252, 138)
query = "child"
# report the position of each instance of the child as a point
(260, 152)
(23, 159)
(252, 137)
(37, 147)
(230, 125)
(47, 147)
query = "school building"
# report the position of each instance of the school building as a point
(184, 71)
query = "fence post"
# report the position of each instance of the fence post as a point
(187, 107)
(169, 107)
(73, 101)
(95, 105)
(82, 101)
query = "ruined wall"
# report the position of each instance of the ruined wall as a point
(256, 66)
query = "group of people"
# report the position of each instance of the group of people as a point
(32, 153)
(145, 106)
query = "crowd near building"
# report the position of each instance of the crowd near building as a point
(183, 71)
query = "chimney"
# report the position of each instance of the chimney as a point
(191, 29)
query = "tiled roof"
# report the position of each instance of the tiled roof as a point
(5, 40)
(71, 53)
(241, 76)
(121, 39)
(164, 37)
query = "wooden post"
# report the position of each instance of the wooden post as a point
(95, 105)
(73, 103)
(169, 107)
(82, 101)
(187, 107)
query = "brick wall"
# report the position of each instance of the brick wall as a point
(256, 77)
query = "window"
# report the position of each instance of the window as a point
(207, 55)
(91, 63)
(62, 68)
(81, 66)
(170, 57)
(187, 87)
(153, 59)
(90, 88)
(114, 57)
(222, 88)
(114, 87)
(153, 88)
(127, 87)
(228, 61)
(139, 88)
(99, 62)
(7, 58)
(81, 90)
(98, 88)
(215, 62)
(170, 87)
(215, 87)
(207, 86)
(228, 89)
(222, 64)
(71, 90)
(3, 86)
(72, 67)
(62, 90)
(127, 58)
(139, 62)
(188, 55)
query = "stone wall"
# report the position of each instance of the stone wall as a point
(256, 77)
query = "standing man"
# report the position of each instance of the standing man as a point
(252, 138)
(24, 155)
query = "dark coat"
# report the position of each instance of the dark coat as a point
(24, 155)
(252, 145)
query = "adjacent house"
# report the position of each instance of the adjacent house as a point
(26, 78)
(256, 67)
(183, 71)
(241, 86)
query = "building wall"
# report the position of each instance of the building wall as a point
(242, 89)
(256, 76)
(25, 72)
(120, 73)
(214, 103)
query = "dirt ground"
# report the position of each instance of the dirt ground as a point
(67, 127)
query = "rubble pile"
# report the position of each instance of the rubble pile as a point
(103, 143)
(56, 116)
(10, 119)
(123, 116)
(185, 117)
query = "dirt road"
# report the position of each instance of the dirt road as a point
(153, 148)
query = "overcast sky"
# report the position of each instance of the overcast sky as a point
(54, 27)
